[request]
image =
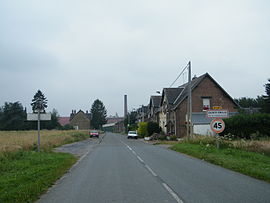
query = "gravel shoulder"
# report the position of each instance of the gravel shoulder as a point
(80, 148)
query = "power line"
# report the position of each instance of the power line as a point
(179, 75)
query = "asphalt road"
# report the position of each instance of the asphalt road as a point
(121, 170)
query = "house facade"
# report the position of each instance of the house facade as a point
(154, 108)
(166, 112)
(80, 120)
(206, 93)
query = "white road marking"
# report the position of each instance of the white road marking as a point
(175, 196)
(129, 148)
(172, 193)
(151, 171)
(140, 159)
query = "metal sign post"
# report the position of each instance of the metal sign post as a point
(217, 126)
(38, 130)
(38, 117)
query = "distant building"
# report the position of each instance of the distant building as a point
(63, 120)
(80, 120)
(114, 119)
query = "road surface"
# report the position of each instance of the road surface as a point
(121, 170)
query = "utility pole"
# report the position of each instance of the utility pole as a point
(189, 103)
(126, 112)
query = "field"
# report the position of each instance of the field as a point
(25, 173)
(11, 141)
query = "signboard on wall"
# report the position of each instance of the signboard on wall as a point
(217, 114)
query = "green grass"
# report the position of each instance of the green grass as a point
(249, 163)
(25, 175)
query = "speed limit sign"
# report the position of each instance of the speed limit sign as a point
(217, 125)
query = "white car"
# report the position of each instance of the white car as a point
(132, 134)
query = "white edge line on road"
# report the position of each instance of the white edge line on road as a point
(151, 171)
(134, 152)
(140, 159)
(175, 196)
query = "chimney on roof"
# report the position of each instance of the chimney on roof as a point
(194, 77)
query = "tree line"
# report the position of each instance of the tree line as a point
(13, 115)
(262, 102)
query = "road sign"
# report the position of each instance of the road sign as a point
(217, 107)
(217, 114)
(217, 125)
(34, 116)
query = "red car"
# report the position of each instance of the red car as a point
(94, 133)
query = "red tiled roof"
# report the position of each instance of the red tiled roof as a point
(63, 120)
(114, 120)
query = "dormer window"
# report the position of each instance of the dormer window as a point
(206, 103)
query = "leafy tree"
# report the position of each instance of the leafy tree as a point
(246, 102)
(142, 130)
(39, 102)
(53, 123)
(12, 116)
(99, 114)
(130, 121)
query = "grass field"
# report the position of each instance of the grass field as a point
(247, 157)
(25, 173)
(27, 140)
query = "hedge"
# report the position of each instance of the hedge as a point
(248, 125)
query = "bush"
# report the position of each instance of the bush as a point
(162, 137)
(173, 138)
(67, 127)
(132, 127)
(248, 125)
(153, 127)
(142, 130)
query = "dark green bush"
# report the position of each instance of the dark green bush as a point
(173, 138)
(162, 137)
(67, 127)
(248, 125)
(153, 127)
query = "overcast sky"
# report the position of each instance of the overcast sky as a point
(78, 51)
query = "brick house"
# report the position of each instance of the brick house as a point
(80, 120)
(206, 93)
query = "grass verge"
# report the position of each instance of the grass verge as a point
(24, 175)
(249, 163)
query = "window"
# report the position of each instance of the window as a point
(206, 104)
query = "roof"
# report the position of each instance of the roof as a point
(172, 93)
(63, 120)
(84, 114)
(114, 119)
(194, 83)
(155, 100)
